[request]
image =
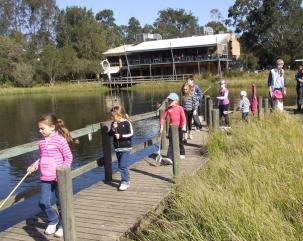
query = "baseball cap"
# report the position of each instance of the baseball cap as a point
(173, 96)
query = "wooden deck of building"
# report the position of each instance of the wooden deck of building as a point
(103, 213)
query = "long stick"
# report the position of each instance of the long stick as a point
(207, 89)
(14, 190)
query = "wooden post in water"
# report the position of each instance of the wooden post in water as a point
(266, 109)
(176, 150)
(66, 202)
(163, 134)
(215, 118)
(107, 153)
(209, 115)
(260, 107)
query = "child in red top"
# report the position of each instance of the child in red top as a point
(177, 117)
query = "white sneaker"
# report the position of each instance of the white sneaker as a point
(124, 186)
(51, 229)
(167, 161)
(182, 156)
(59, 232)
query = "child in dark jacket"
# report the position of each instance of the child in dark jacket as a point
(122, 131)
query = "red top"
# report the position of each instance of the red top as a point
(176, 115)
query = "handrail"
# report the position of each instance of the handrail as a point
(32, 146)
(80, 170)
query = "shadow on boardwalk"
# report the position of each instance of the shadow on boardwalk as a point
(103, 213)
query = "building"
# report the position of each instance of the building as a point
(173, 57)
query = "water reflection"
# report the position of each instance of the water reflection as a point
(20, 113)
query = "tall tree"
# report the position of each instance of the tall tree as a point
(217, 21)
(173, 23)
(133, 28)
(269, 28)
(113, 34)
(77, 27)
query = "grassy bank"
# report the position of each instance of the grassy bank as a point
(57, 88)
(251, 188)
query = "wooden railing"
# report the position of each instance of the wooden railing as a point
(88, 130)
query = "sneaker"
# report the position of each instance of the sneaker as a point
(182, 156)
(59, 232)
(190, 136)
(51, 229)
(167, 161)
(124, 186)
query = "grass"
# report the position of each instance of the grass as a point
(250, 189)
(57, 88)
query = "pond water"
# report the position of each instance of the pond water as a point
(18, 116)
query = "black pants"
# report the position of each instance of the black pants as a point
(189, 119)
(170, 145)
(223, 116)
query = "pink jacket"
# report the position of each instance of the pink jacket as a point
(54, 152)
(176, 115)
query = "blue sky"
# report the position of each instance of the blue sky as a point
(147, 10)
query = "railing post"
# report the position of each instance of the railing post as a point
(266, 109)
(167, 119)
(206, 97)
(176, 150)
(66, 202)
(163, 134)
(209, 114)
(107, 153)
(215, 118)
(260, 107)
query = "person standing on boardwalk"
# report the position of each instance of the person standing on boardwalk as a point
(276, 85)
(54, 152)
(199, 94)
(223, 103)
(190, 104)
(299, 88)
(122, 131)
(177, 117)
(244, 105)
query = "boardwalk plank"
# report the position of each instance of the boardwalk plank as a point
(104, 214)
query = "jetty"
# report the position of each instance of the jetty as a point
(101, 212)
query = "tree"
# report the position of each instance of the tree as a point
(173, 23)
(113, 34)
(48, 62)
(217, 21)
(23, 74)
(269, 28)
(77, 27)
(148, 28)
(133, 28)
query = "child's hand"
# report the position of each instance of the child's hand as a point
(30, 169)
(117, 136)
(195, 112)
(115, 124)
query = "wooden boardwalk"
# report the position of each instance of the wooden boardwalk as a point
(102, 213)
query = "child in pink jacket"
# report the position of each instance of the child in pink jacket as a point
(54, 152)
(177, 117)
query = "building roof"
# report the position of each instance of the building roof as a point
(175, 43)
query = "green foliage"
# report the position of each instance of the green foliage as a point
(217, 27)
(250, 189)
(269, 28)
(173, 23)
(23, 75)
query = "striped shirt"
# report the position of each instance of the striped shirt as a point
(54, 152)
(190, 102)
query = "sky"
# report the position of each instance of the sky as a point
(146, 11)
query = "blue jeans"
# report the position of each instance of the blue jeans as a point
(123, 162)
(47, 189)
